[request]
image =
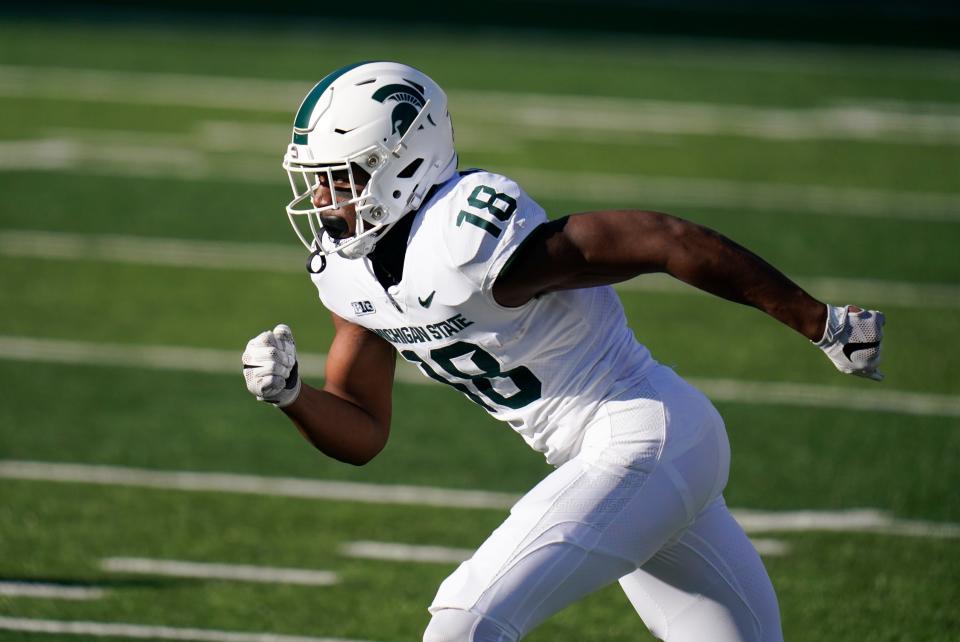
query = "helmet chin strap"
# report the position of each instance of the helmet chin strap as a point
(360, 247)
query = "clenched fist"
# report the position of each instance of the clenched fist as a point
(852, 339)
(270, 367)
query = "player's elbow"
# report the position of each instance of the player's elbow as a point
(364, 457)
(372, 446)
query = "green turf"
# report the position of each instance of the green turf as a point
(120, 303)
(832, 586)
(799, 243)
(660, 68)
(908, 167)
(783, 457)
(54, 533)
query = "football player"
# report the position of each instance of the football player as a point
(463, 275)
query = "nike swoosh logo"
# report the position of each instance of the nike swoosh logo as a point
(426, 302)
(850, 348)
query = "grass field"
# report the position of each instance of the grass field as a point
(140, 180)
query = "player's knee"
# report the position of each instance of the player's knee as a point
(454, 625)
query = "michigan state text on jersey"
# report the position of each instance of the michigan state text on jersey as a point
(464, 275)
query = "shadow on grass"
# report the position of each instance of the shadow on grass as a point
(103, 583)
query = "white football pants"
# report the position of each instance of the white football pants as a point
(640, 503)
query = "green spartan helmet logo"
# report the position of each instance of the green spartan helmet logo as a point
(409, 101)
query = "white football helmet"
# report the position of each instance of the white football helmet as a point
(386, 118)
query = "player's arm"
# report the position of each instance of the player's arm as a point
(349, 418)
(605, 247)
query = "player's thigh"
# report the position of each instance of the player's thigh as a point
(580, 531)
(530, 591)
(709, 584)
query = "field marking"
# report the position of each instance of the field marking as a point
(256, 485)
(136, 356)
(105, 159)
(852, 520)
(560, 112)
(289, 258)
(863, 520)
(49, 591)
(872, 292)
(207, 360)
(642, 191)
(148, 632)
(207, 570)
(770, 547)
(393, 552)
(821, 396)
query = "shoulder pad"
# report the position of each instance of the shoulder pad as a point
(485, 217)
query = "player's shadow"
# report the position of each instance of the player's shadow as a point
(105, 582)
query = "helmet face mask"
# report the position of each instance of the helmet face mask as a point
(386, 120)
(306, 218)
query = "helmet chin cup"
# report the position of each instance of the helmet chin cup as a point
(358, 248)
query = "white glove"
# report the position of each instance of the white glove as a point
(852, 340)
(270, 367)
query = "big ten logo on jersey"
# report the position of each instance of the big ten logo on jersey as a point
(361, 308)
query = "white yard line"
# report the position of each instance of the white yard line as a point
(49, 591)
(743, 195)
(286, 258)
(857, 520)
(206, 570)
(559, 114)
(114, 159)
(820, 396)
(873, 292)
(137, 356)
(888, 123)
(148, 632)
(865, 520)
(14, 348)
(770, 547)
(151, 89)
(393, 552)
(290, 258)
(256, 485)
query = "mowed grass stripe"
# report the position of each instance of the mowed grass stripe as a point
(148, 632)
(289, 258)
(209, 570)
(212, 361)
(897, 123)
(64, 155)
(855, 520)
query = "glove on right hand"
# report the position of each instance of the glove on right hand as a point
(851, 339)
(270, 367)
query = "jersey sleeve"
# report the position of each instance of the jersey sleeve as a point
(494, 217)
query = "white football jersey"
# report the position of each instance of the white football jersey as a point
(542, 367)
